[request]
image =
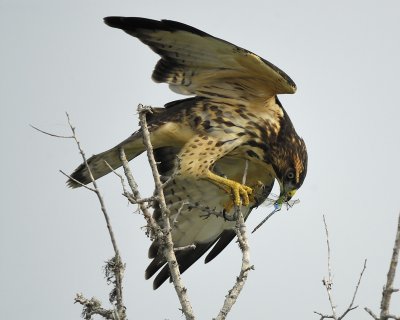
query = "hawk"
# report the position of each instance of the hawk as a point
(204, 142)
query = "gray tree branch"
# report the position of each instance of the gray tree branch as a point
(242, 235)
(114, 268)
(168, 248)
(388, 289)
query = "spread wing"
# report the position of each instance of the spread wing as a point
(196, 63)
(189, 202)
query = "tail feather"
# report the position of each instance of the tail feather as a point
(133, 146)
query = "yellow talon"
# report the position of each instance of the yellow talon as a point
(239, 191)
(228, 205)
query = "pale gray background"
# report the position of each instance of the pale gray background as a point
(58, 56)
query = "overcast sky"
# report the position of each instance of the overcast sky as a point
(58, 56)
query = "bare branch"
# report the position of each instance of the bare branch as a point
(120, 176)
(328, 283)
(114, 267)
(144, 200)
(130, 196)
(117, 271)
(350, 307)
(162, 235)
(388, 289)
(179, 213)
(169, 245)
(189, 247)
(156, 232)
(233, 294)
(323, 316)
(241, 233)
(373, 315)
(93, 307)
(96, 189)
(51, 134)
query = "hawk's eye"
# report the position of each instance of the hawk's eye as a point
(290, 175)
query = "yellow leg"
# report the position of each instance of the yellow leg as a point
(239, 191)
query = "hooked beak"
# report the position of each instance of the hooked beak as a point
(285, 196)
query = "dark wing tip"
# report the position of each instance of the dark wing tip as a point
(135, 23)
(131, 23)
(185, 259)
(113, 21)
(226, 237)
(288, 80)
(147, 275)
(161, 278)
(154, 266)
(179, 26)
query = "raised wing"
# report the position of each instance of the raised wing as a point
(196, 63)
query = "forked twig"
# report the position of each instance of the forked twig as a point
(328, 283)
(93, 307)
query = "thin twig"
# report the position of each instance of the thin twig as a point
(151, 223)
(130, 196)
(350, 307)
(144, 200)
(121, 177)
(51, 134)
(179, 213)
(78, 182)
(323, 316)
(328, 283)
(373, 315)
(189, 247)
(241, 233)
(93, 307)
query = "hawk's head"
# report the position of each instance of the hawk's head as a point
(290, 166)
(288, 157)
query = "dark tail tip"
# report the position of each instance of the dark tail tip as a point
(79, 175)
(73, 184)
